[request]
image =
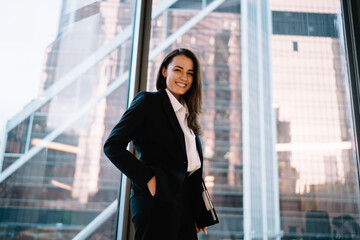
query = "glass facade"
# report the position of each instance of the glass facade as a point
(280, 156)
(318, 175)
(62, 180)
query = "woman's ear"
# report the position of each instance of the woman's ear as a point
(163, 71)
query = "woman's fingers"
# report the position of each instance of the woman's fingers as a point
(204, 229)
(152, 185)
(197, 229)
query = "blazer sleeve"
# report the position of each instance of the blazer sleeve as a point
(124, 131)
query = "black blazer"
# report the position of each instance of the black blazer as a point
(150, 122)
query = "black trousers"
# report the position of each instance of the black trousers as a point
(155, 219)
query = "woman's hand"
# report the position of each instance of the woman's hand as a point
(152, 185)
(201, 229)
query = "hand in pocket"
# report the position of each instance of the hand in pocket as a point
(152, 186)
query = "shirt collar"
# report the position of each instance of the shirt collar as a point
(175, 103)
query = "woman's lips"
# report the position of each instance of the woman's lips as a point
(181, 84)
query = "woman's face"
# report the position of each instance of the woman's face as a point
(179, 75)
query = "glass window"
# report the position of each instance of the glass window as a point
(62, 180)
(278, 135)
(318, 174)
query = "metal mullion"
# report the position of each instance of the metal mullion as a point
(137, 82)
(97, 222)
(28, 137)
(3, 140)
(352, 49)
(13, 155)
(161, 7)
(245, 121)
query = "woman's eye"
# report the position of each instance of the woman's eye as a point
(177, 70)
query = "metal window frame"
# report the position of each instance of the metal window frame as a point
(351, 16)
(137, 82)
(3, 140)
(250, 223)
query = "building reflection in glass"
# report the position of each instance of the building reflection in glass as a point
(68, 182)
(316, 164)
(287, 92)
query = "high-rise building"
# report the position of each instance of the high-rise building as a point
(311, 93)
(278, 136)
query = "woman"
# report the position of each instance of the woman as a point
(164, 128)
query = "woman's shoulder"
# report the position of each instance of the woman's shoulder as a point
(145, 99)
(147, 96)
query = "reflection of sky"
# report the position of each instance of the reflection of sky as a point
(27, 28)
(318, 6)
(307, 95)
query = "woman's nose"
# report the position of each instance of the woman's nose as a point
(184, 76)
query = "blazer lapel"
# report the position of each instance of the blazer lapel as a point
(199, 148)
(172, 117)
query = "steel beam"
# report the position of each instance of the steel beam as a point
(97, 222)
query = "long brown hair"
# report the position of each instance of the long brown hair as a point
(193, 97)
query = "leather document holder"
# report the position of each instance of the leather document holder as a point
(207, 214)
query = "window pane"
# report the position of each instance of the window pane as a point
(64, 181)
(318, 174)
(278, 136)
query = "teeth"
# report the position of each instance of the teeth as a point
(181, 85)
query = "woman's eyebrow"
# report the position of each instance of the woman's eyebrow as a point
(183, 68)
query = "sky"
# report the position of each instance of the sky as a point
(26, 29)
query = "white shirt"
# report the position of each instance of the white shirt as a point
(182, 113)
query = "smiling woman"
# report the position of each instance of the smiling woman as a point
(166, 198)
(179, 75)
(194, 95)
